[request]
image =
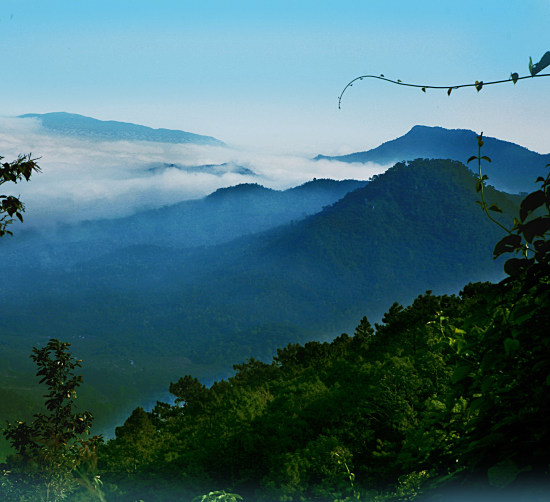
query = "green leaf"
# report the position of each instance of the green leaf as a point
(486, 158)
(473, 157)
(480, 140)
(476, 404)
(460, 373)
(535, 228)
(515, 266)
(510, 345)
(494, 207)
(479, 186)
(530, 203)
(507, 244)
(503, 473)
(530, 66)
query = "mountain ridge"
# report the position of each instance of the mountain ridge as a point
(513, 169)
(73, 124)
(412, 228)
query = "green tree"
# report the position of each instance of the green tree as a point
(13, 172)
(51, 448)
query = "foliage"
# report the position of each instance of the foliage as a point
(534, 71)
(13, 172)
(218, 496)
(52, 452)
(450, 391)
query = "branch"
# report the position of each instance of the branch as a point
(478, 85)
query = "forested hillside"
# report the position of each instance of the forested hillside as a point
(444, 399)
(144, 314)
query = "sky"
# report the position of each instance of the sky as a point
(268, 74)
(262, 76)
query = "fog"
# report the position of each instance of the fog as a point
(84, 179)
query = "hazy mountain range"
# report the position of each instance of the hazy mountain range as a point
(199, 285)
(145, 314)
(72, 124)
(513, 168)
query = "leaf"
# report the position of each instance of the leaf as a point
(473, 157)
(494, 207)
(515, 266)
(479, 186)
(510, 345)
(535, 228)
(541, 65)
(460, 373)
(514, 76)
(476, 404)
(530, 203)
(507, 244)
(480, 140)
(486, 158)
(503, 473)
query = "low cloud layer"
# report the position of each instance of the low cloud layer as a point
(83, 179)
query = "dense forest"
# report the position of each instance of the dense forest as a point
(144, 314)
(446, 398)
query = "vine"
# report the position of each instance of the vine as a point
(534, 71)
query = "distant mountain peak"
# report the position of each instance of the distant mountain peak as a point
(72, 124)
(514, 168)
(214, 169)
(242, 188)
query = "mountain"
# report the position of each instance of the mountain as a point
(224, 215)
(513, 168)
(215, 169)
(71, 124)
(144, 315)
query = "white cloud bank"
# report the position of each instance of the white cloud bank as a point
(84, 179)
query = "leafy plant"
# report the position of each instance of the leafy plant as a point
(218, 496)
(14, 172)
(51, 449)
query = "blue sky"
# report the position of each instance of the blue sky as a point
(268, 74)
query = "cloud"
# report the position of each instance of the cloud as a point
(88, 179)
